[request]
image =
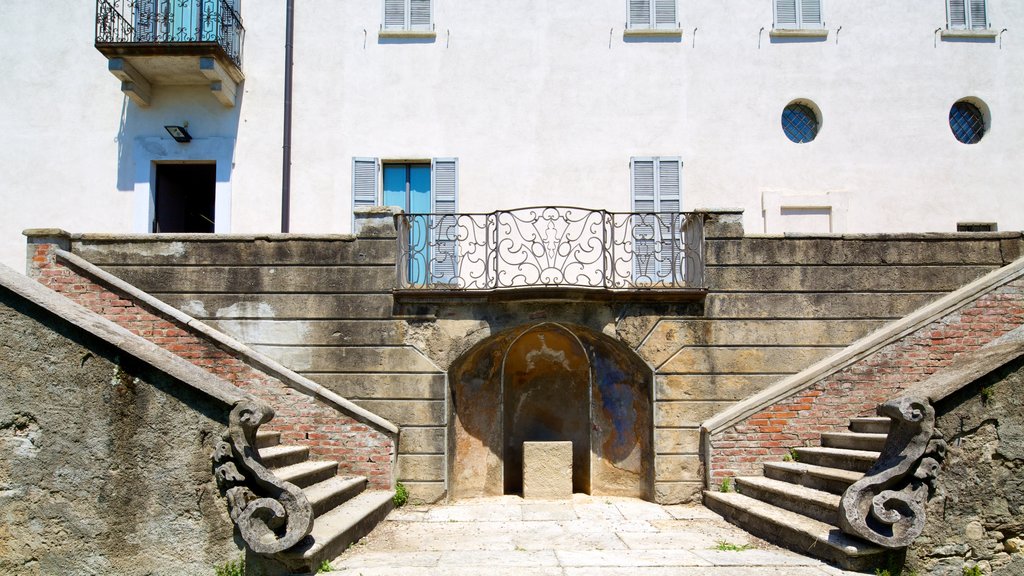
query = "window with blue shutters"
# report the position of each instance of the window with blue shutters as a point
(408, 15)
(652, 15)
(428, 188)
(798, 14)
(656, 189)
(966, 15)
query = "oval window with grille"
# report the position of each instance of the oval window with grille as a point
(800, 123)
(967, 122)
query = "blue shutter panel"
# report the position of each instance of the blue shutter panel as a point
(444, 227)
(364, 182)
(665, 13)
(786, 14)
(644, 223)
(956, 12)
(810, 13)
(639, 14)
(394, 14)
(978, 14)
(669, 200)
(419, 15)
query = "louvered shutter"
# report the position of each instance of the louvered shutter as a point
(419, 15)
(668, 199)
(957, 14)
(640, 13)
(979, 18)
(665, 13)
(445, 175)
(364, 183)
(810, 13)
(394, 14)
(785, 14)
(642, 230)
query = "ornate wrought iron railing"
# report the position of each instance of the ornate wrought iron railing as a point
(171, 22)
(554, 246)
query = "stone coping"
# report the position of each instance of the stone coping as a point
(155, 237)
(121, 338)
(853, 353)
(261, 361)
(888, 237)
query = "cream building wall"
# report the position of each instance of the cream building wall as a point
(542, 102)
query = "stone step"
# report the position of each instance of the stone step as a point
(280, 456)
(266, 439)
(325, 496)
(307, 473)
(833, 480)
(334, 531)
(854, 440)
(871, 425)
(796, 531)
(856, 460)
(817, 504)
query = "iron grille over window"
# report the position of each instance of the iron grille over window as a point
(800, 123)
(967, 122)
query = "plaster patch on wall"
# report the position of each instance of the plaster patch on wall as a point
(194, 308)
(246, 310)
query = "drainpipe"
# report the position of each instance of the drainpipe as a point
(286, 148)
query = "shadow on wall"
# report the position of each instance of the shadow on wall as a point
(551, 382)
(144, 146)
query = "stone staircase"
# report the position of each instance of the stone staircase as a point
(796, 503)
(344, 510)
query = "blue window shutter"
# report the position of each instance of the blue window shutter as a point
(420, 15)
(978, 14)
(639, 14)
(669, 200)
(444, 227)
(786, 14)
(642, 229)
(665, 13)
(364, 183)
(810, 13)
(956, 13)
(394, 14)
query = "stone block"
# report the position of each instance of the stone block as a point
(711, 386)
(686, 414)
(308, 306)
(547, 470)
(257, 279)
(677, 468)
(421, 441)
(841, 278)
(744, 360)
(677, 492)
(676, 441)
(384, 386)
(407, 412)
(235, 251)
(878, 305)
(780, 250)
(420, 468)
(314, 332)
(349, 358)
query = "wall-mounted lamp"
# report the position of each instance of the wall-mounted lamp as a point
(179, 133)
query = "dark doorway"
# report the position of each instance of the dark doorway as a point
(185, 197)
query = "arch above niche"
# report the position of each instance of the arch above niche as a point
(619, 405)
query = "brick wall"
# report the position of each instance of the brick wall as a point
(859, 388)
(329, 434)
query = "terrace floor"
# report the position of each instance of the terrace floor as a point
(593, 536)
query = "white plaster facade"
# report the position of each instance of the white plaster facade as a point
(542, 102)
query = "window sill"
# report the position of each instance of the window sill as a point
(799, 33)
(407, 34)
(663, 32)
(986, 33)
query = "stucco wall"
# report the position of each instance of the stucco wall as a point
(105, 461)
(983, 426)
(542, 102)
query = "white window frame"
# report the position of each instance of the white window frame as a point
(407, 24)
(969, 23)
(800, 24)
(652, 17)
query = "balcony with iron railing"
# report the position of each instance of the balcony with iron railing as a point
(172, 42)
(553, 251)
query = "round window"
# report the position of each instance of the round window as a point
(800, 123)
(967, 122)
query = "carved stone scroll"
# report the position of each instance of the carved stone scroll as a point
(272, 515)
(887, 505)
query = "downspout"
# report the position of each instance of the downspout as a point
(286, 148)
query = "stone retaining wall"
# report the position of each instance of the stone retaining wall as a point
(301, 419)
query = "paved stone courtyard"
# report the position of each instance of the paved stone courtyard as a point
(592, 536)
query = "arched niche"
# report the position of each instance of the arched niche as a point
(555, 381)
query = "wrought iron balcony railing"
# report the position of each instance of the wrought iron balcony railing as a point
(171, 22)
(552, 246)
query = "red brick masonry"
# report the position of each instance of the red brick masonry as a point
(858, 389)
(331, 435)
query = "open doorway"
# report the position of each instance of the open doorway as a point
(185, 197)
